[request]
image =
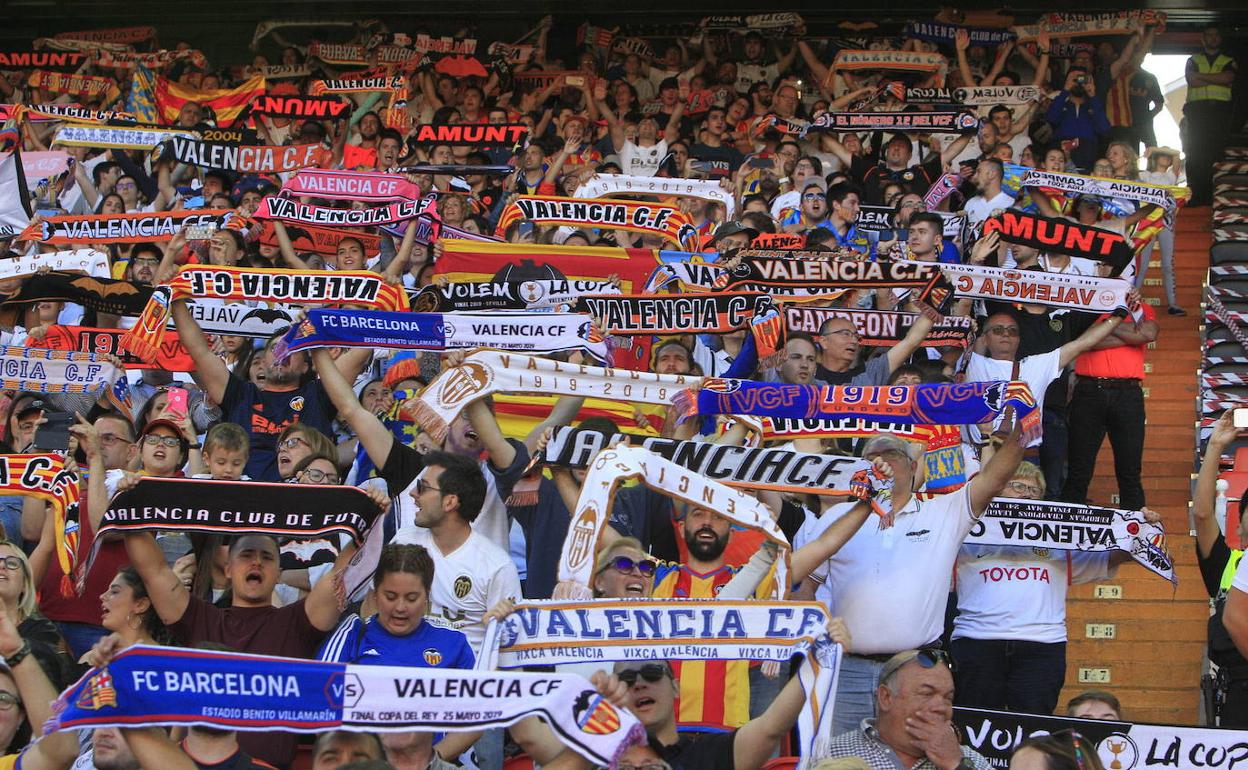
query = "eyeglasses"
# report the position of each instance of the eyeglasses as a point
(144, 261)
(126, 185)
(645, 567)
(11, 563)
(651, 672)
(8, 700)
(423, 486)
(1004, 331)
(813, 196)
(912, 204)
(108, 439)
(169, 441)
(292, 442)
(647, 766)
(318, 476)
(1023, 486)
(928, 657)
(844, 333)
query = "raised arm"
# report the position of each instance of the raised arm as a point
(900, 353)
(210, 371)
(154, 750)
(1204, 500)
(808, 557)
(962, 41)
(995, 473)
(321, 605)
(169, 596)
(287, 248)
(818, 69)
(375, 437)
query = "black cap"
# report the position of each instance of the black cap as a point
(732, 227)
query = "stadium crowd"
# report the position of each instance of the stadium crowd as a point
(909, 260)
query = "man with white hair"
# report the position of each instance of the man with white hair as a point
(891, 582)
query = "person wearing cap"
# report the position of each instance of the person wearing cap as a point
(732, 235)
(892, 164)
(812, 212)
(913, 723)
(917, 552)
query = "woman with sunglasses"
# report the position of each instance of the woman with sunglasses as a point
(1063, 750)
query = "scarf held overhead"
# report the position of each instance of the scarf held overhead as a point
(300, 107)
(365, 186)
(87, 261)
(487, 372)
(312, 287)
(1070, 527)
(667, 222)
(122, 228)
(1078, 292)
(45, 478)
(319, 240)
(117, 137)
(932, 404)
(553, 633)
(242, 159)
(737, 466)
(538, 294)
(103, 295)
(613, 467)
(304, 214)
(529, 332)
(933, 122)
(172, 357)
(1064, 236)
(605, 185)
(880, 328)
(147, 685)
(41, 370)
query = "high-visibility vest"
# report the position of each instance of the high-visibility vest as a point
(1228, 572)
(1204, 67)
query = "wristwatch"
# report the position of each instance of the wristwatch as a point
(965, 764)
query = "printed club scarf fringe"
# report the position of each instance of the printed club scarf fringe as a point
(487, 372)
(314, 287)
(1078, 292)
(880, 328)
(966, 403)
(529, 332)
(116, 137)
(647, 218)
(45, 478)
(552, 633)
(160, 686)
(551, 294)
(1070, 527)
(613, 467)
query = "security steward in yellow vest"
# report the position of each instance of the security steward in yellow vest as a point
(1210, 75)
(1227, 694)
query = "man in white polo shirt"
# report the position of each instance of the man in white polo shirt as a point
(891, 584)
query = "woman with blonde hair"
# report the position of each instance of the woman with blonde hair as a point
(1162, 168)
(1123, 160)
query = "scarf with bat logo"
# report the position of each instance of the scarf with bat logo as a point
(102, 295)
(306, 287)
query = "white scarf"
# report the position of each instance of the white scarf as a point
(117, 137)
(549, 633)
(54, 371)
(605, 185)
(1077, 184)
(87, 261)
(614, 466)
(982, 96)
(1032, 287)
(486, 372)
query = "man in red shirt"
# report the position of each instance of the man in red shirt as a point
(1108, 399)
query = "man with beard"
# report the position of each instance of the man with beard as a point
(264, 410)
(144, 258)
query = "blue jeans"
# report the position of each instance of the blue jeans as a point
(1005, 674)
(80, 637)
(855, 692)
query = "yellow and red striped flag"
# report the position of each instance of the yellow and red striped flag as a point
(227, 103)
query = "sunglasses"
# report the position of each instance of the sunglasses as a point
(645, 567)
(927, 657)
(1004, 331)
(651, 672)
(422, 486)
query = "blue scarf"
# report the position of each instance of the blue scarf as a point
(966, 403)
(169, 686)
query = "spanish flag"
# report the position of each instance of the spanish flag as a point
(227, 103)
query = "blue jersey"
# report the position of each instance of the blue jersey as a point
(368, 643)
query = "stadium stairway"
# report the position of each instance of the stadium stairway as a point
(1134, 634)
